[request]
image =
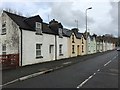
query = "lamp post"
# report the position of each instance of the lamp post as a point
(86, 28)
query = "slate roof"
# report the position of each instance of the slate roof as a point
(99, 39)
(29, 23)
(77, 34)
(67, 32)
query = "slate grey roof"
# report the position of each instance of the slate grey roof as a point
(77, 34)
(29, 23)
(67, 32)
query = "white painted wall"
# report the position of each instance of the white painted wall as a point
(64, 42)
(88, 45)
(29, 47)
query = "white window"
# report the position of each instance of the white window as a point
(4, 28)
(60, 49)
(60, 33)
(38, 50)
(4, 49)
(38, 28)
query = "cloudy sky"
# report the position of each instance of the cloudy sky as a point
(102, 18)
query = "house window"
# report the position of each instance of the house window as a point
(51, 49)
(73, 38)
(82, 49)
(38, 50)
(4, 49)
(38, 28)
(4, 28)
(73, 49)
(60, 49)
(82, 41)
(60, 33)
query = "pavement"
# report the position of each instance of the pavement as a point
(19, 74)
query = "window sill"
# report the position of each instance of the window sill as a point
(39, 57)
(3, 33)
(60, 54)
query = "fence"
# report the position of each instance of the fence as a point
(9, 60)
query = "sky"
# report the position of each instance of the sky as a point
(102, 18)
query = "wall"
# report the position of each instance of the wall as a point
(11, 38)
(29, 47)
(62, 41)
(84, 46)
(76, 42)
(88, 45)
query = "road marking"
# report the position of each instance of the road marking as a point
(114, 57)
(67, 62)
(107, 63)
(98, 70)
(9, 82)
(86, 80)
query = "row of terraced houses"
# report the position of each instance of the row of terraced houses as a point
(29, 40)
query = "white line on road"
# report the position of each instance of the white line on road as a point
(98, 70)
(9, 82)
(85, 81)
(107, 63)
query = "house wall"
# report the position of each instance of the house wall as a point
(104, 46)
(30, 39)
(69, 47)
(94, 45)
(76, 43)
(11, 38)
(84, 46)
(63, 41)
(88, 45)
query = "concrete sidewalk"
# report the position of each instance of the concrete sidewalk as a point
(13, 74)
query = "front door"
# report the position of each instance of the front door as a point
(51, 52)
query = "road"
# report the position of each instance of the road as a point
(98, 72)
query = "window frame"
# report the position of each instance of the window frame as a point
(39, 50)
(60, 49)
(4, 49)
(4, 30)
(73, 49)
(73, 39)
(38, 29)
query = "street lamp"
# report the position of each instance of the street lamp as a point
(86, 27)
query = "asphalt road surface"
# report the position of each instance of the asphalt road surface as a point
(98, 72)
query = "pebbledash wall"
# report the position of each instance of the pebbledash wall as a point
(11, 38)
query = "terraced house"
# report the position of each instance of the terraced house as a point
(29, 40)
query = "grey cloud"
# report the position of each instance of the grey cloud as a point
(64, 12)
(110, 27)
